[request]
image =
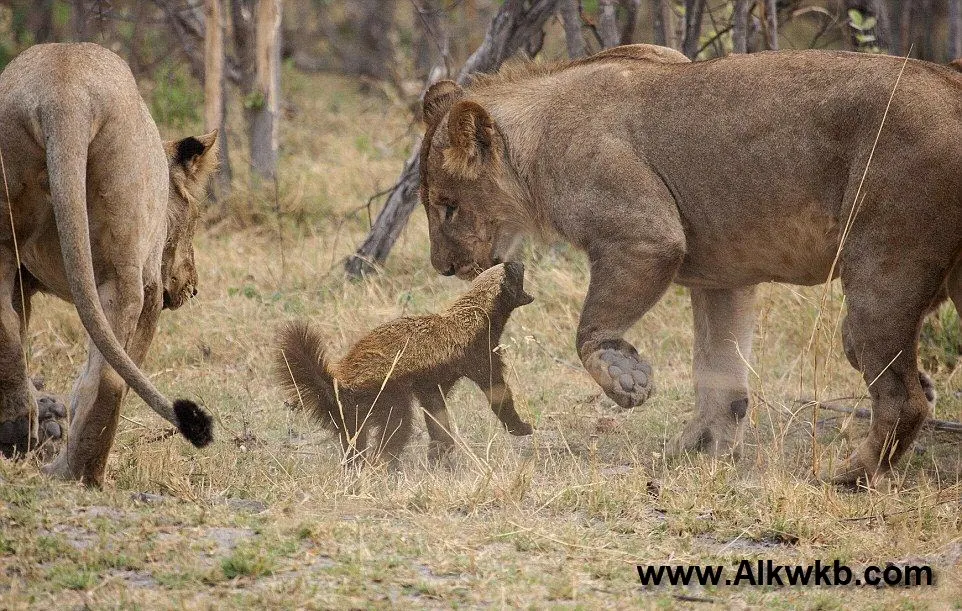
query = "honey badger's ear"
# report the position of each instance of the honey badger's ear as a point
(439, 98)
(471, 132)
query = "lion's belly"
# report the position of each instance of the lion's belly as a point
(798, 250)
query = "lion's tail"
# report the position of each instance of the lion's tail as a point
(67, 169)
(302, 368)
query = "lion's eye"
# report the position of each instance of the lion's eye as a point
(449, 211)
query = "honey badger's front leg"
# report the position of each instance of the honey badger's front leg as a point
(490, 379)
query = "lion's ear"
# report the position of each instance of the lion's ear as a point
(439, 98)
(471, 132)
(197, 156)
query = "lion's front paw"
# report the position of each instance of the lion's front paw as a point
(520, 429)
(52, 414)
(711, 440)
(15, 437)
(622, 374)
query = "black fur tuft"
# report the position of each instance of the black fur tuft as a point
(188, 149)
(194, 423)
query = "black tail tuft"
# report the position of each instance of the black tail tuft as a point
(194, 423)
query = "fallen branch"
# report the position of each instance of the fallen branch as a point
(862, 412)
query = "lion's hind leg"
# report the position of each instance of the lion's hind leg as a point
(19, 424)
(880, 334)
(97, 396)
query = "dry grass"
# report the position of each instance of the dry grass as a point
(265, 517)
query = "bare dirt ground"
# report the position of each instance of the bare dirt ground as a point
(265, 517)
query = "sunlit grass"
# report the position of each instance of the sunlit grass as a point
(266, 516)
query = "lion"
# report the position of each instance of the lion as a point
(374, 385)
(98, 212)
(717, 175)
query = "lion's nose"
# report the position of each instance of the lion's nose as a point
(449, 271)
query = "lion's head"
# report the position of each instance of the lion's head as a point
(191, 162)
(467, 185)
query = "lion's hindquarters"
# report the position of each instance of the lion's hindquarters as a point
(66, 124)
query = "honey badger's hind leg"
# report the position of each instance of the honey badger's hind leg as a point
(395, 432)
(354, 446)
(431, 399)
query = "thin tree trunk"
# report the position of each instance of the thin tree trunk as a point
(514, 25)
(740, 26)
(41, 21)
(883, 24)
(660, 22)
(571, 18)
(264, 113)
(905, 26)
(631, 21)
(694, 9)
(770, 9)
(433, 48)
(81, 20)
(608, 23)
(955, 29)
(215, 98)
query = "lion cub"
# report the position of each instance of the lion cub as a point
(372, 388)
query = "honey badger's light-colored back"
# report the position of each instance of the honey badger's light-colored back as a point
(373, 386)
(474, 322)
(93, 224)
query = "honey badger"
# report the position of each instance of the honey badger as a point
(414, 357)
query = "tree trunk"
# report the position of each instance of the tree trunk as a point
(694, 9)
(955, 29)
(40, 20)
(631, 21)
(81, 21)
(740, 25)
(608, 23)
(215, 98)
(571, 18)
(516, 22)
(432, 49)
(770, 9)
(660, 22)
(263, 105)
(369, 51)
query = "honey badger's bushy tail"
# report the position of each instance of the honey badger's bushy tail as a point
(301, 366)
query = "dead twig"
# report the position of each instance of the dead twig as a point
(862, 412)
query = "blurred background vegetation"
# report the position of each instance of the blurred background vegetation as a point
(396, 43)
